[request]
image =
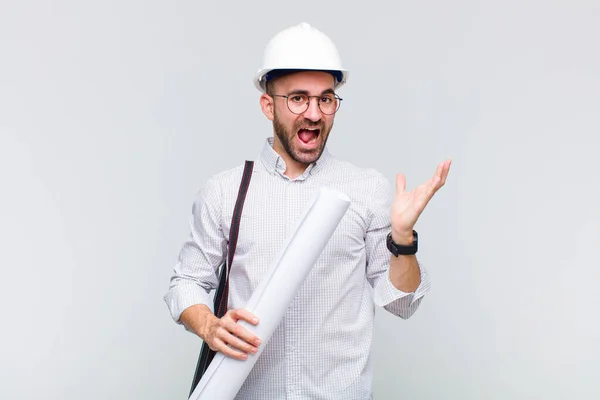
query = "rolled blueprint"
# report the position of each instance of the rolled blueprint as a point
(276, 290)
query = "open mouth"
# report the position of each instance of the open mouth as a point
(308, 135)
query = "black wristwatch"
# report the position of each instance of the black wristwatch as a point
(398, 249)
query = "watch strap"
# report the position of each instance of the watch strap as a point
(404, 250)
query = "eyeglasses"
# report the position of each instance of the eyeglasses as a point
(298, 102)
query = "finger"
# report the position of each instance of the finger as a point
(439, 170)
(439, 179)
(400, 184)
(237, 343)
(229, 351)
(434, 185)
(245, 315)
(436, 180)
(445, 170)
(241, 332)
(429, 188)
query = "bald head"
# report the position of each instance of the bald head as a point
(273, 85)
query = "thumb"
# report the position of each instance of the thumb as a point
(400, 183)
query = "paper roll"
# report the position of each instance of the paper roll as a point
(276, 290)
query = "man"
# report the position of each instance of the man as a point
(321, 349)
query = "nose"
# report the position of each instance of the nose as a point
(313, 112)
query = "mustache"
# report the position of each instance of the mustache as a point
(309, 124)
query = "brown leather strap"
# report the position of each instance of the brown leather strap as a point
(233, 233)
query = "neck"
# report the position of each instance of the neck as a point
(293, 168)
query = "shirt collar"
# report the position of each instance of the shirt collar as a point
(274, 163)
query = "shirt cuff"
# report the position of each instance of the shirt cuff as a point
(185, 295)
(386, 293)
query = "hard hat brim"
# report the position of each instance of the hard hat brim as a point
(260, 76)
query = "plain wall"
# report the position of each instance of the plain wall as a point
(113, 114)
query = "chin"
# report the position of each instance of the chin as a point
(307, 157)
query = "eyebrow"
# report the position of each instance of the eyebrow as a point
(305, 92)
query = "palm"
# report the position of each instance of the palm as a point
(408, 206)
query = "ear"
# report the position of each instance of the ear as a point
(266, 104)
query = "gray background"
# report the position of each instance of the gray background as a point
(113, 114)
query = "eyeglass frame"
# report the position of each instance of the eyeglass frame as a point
(287, 102)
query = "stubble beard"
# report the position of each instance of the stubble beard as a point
(286, 137)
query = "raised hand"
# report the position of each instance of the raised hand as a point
(408, 206)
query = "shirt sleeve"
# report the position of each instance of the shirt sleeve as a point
(196, 270)
(386, 295)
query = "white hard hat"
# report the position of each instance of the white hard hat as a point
(300, 47)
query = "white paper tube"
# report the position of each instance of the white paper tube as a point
(276, 290)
